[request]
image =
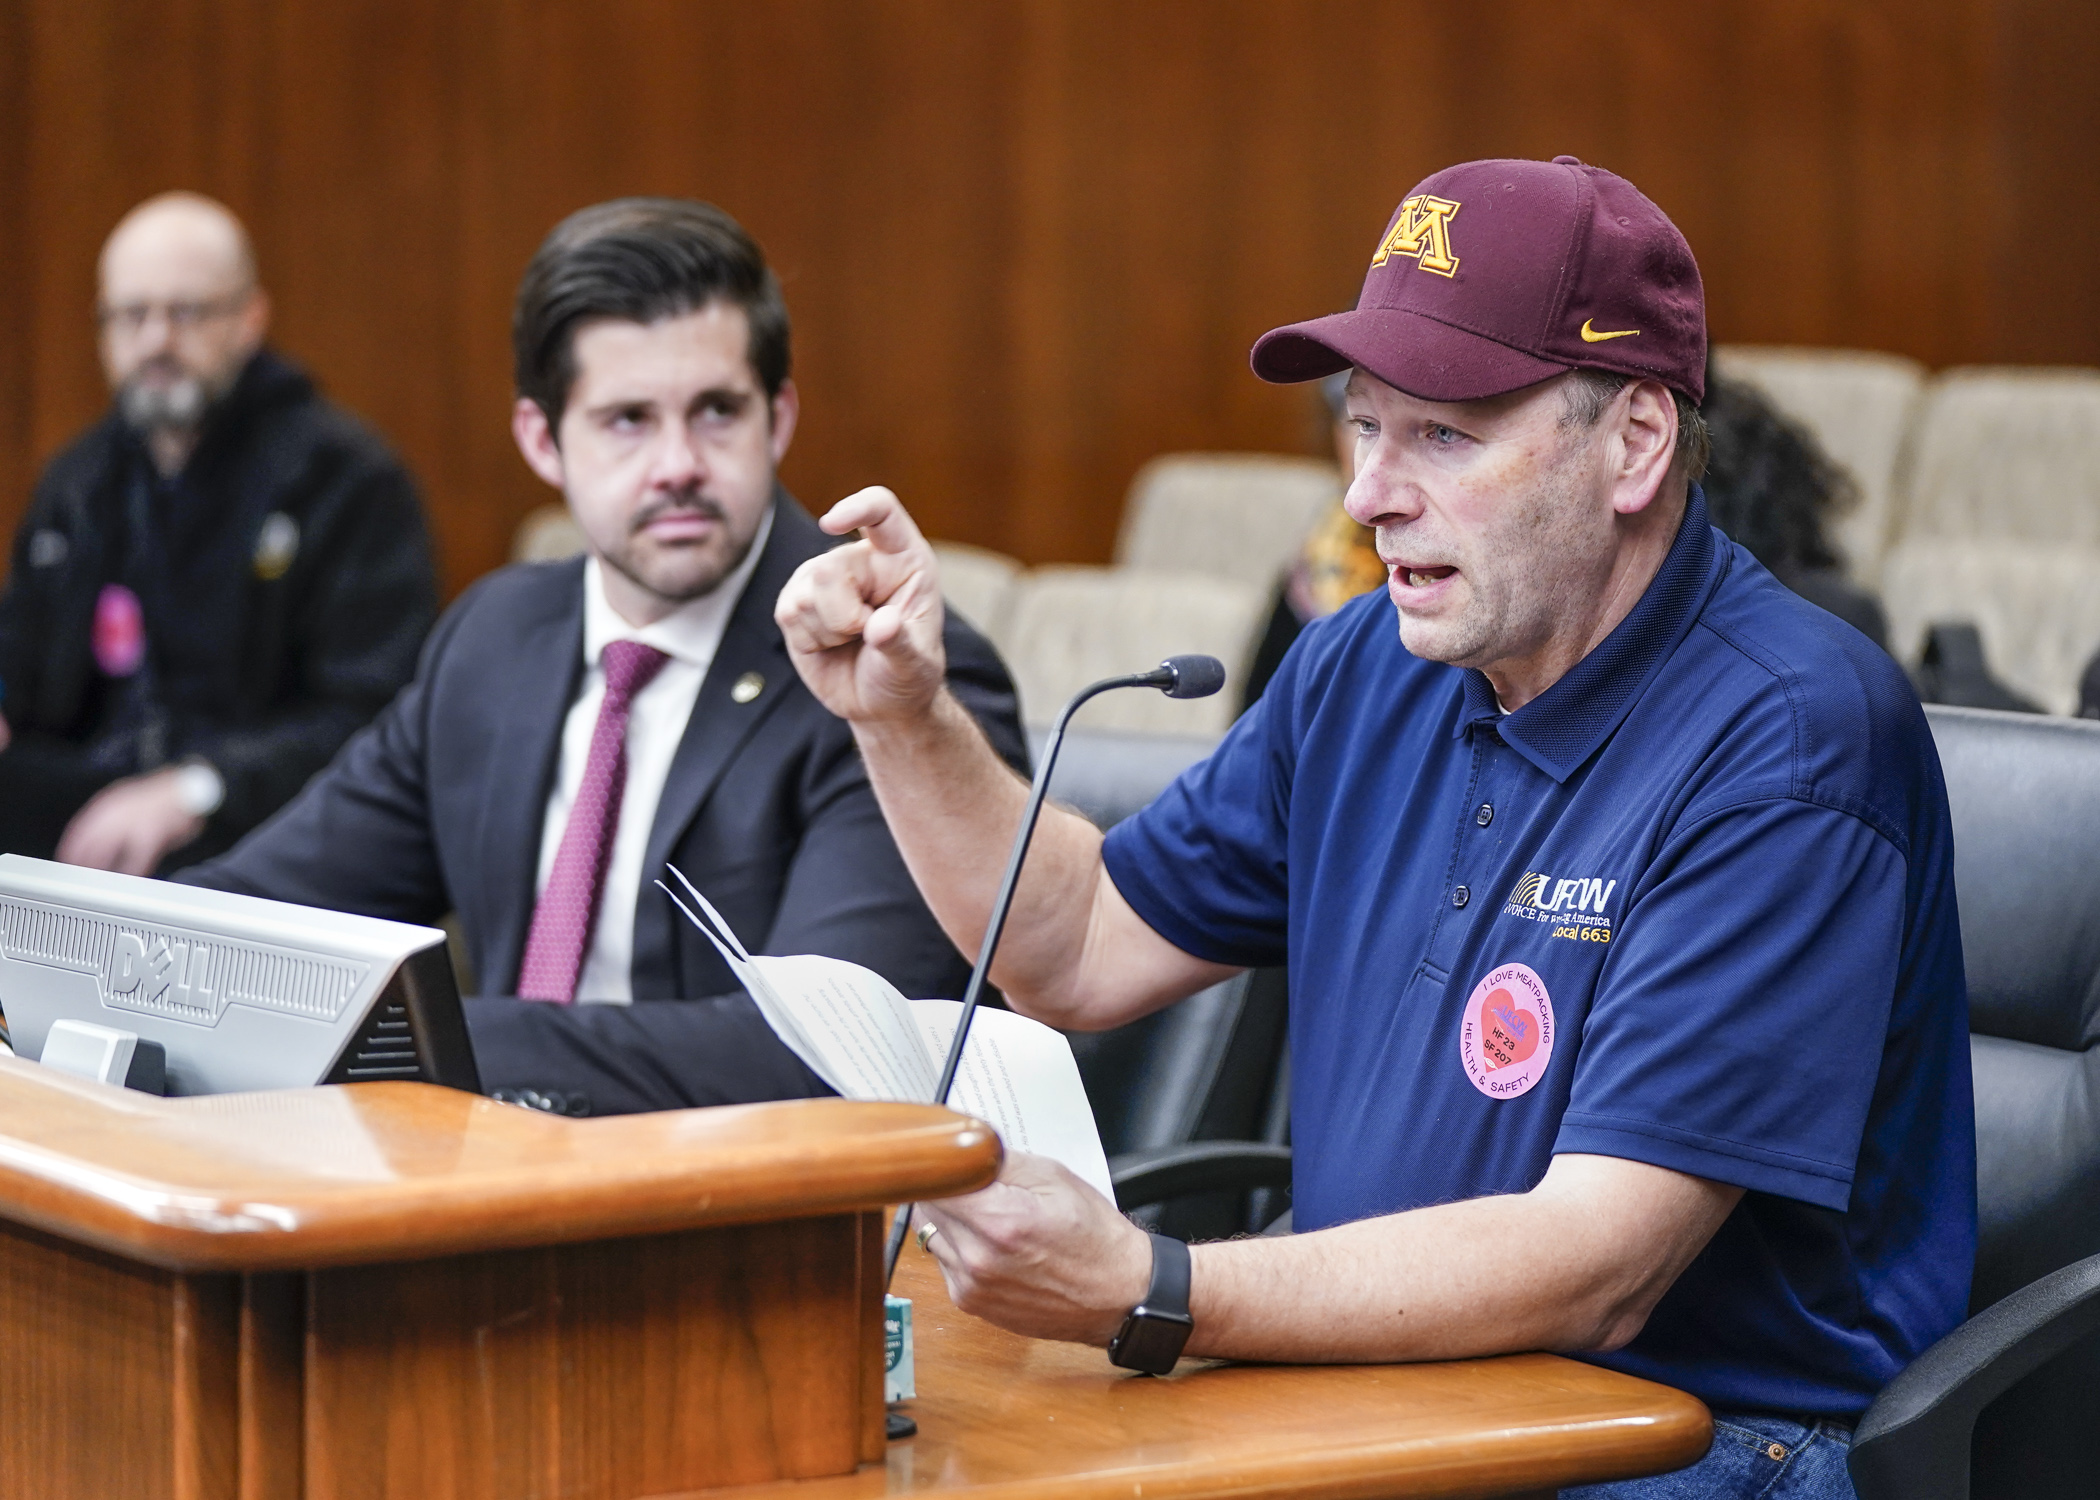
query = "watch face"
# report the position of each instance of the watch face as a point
(1150, 1341)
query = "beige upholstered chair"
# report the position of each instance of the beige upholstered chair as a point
(1224, 515)
(1072, 626)
(1858, 405)
(548, 534)
(2036, 605)
(978, 583)
(2007, 453)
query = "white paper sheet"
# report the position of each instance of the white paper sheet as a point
(860, 1029)
(1019, 1077)
(859, 1035)
(770, 1003)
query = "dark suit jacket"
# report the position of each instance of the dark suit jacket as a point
(438, 805)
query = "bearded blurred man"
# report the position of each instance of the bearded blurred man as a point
(215, 585)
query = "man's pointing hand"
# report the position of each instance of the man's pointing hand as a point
(863, 622)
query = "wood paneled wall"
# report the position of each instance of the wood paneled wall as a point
(1026, 244)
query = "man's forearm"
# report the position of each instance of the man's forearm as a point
(1436, 1283)
(953, 806)
(1576, 1264)
(864, 625)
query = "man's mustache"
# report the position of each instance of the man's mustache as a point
(163, 365)
(686, 501)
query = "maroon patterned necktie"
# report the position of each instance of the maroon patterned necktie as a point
(568, 908)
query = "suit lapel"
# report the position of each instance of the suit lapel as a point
(751, 649)
(544, 663)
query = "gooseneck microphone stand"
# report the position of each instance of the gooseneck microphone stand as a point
(1177, 677)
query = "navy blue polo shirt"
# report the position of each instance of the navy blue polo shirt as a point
(1693, 905)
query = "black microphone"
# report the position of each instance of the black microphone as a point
(1178, 677)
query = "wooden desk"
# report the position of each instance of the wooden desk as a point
(397, 1292)
(1006, 1418)
(394, 1292)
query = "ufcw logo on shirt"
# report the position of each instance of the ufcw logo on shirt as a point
(1544, 893)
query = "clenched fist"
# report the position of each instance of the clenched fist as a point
(863, 622)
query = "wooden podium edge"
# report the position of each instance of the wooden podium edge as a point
(165, 1182)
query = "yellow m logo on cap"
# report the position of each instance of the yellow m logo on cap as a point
(1423, 231)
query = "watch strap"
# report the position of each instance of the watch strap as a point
(1169, 1291)
(1156, 1331)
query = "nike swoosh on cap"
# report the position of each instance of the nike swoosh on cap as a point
(1591, 336)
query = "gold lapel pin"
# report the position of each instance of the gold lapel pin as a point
(747, 687)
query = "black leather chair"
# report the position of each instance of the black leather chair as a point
(1952, 670)
(1193, 1102)
(1108, 774)
(2012, 1397)
(1191, 1112)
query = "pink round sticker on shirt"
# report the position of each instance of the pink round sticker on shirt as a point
(119, 632)
(1505, 1038)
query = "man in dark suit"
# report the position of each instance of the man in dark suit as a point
(575, 726)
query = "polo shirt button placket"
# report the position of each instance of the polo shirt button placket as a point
(1451, 937)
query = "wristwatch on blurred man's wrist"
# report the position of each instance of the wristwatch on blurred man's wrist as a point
(199, 788)
(1156, 1330)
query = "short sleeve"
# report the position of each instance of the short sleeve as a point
(1738, 1029)
(1205, 865)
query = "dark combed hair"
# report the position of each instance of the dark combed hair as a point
(1770, 485)
(641, 260)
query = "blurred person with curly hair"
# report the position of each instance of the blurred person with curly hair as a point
(1771, 487)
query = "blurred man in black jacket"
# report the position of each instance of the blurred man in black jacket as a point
(215, 585)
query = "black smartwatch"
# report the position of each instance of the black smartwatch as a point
(1153, 1335)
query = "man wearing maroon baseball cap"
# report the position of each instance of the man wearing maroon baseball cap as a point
(1627, 1011)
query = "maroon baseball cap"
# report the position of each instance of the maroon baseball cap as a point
(1494, 275)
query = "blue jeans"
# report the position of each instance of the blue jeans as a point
(1754, 1457)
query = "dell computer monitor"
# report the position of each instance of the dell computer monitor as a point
(242, 993)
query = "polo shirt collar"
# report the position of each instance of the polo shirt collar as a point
(1564, 726)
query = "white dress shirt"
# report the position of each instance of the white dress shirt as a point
(656, 721)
